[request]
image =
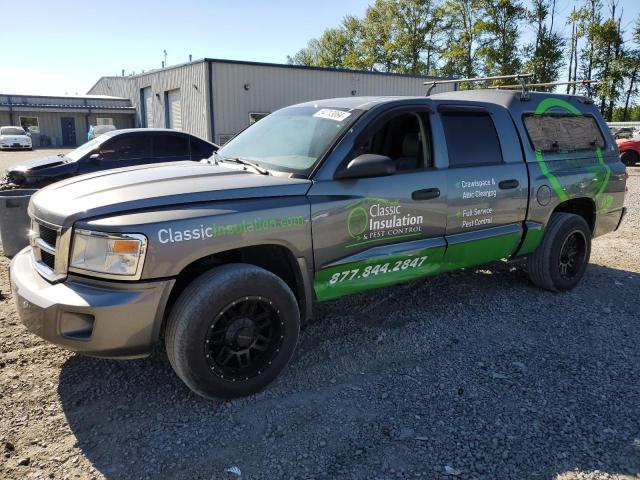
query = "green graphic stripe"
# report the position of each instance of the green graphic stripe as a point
(555, 184)
(532, 239)
(361, 281)
(548, 103)
(353, 277)
(543, 106)
(603, 203)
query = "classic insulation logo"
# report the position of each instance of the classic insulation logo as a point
(377, 219)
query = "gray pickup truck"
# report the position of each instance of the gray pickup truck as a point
(225, 260)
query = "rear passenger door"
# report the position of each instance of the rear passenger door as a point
(487, 184)
(170, 147)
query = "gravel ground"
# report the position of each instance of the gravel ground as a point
(474, 374)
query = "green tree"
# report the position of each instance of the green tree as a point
(545, 54)
(460, 51)
(632, 69)
(378, 36)
(500, 26)
(608, 61)
(589, 20)
(417, 24)
(393, 36)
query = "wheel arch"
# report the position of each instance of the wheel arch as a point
(274, 258)
(582, 206)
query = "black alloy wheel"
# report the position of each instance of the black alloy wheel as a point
(572, 254)
(244, 338)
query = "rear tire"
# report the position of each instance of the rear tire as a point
(232, 331)
(562, 257)
(629, 158)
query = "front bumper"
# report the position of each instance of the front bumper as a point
(99, 318)
(15, 147)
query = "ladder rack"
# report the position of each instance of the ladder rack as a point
(585, 83)
(520, 77)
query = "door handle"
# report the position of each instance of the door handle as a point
(508, 184)
(426, 194)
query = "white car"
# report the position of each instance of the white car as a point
(14, 137)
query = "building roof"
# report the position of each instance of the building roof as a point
(278, 65)
(77, 103)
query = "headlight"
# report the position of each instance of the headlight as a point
(109, 255)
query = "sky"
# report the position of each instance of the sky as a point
(63, 47)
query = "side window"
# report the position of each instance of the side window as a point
(471, 139)
(404, 138)
(171, 146)
(126, 147)
(563, 133)
(200, 149)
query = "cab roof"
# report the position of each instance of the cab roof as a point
(503, 98)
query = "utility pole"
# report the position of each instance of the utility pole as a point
(165, 58)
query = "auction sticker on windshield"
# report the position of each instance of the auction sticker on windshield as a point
(330, 114)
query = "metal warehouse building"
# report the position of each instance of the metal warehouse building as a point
(216, 99)
(64, 121)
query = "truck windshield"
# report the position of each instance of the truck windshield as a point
(292, 139)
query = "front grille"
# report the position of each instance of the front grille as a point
(48, 235)
(47, 244)
(48, 259)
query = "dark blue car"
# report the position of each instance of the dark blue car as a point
(119, 148)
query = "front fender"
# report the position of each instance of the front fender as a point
(183, 234)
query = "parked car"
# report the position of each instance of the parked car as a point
(97, 130)
(118, 148)
(315, 201)
(629, 150)
(12, 138)
(624, 132)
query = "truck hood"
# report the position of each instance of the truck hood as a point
(154, 186)
(36, 164)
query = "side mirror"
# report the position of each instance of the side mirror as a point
(95, 158)
(28, 134)
(367, 165)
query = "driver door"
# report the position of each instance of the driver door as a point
(121, 151)
(372, 232)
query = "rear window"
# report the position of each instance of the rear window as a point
(471, 139)
(12, 131)
(200, 149)
(563, 133)
(171, 146)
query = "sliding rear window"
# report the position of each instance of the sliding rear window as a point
(563, 133)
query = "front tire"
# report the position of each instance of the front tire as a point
(629, 158)
(561, 259)
(232, 331)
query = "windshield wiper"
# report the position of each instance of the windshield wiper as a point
(242, 161)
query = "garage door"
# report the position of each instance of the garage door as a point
(147, 97)
(175, 109)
